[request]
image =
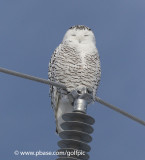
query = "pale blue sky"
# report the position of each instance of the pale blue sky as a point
(30, 30)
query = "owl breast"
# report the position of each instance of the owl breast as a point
(77, 66)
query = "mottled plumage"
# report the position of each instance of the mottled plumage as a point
(75, 63)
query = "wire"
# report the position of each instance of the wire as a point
(99, 100)
(120, 111)
(26, 76)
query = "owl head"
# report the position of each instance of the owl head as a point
(79, 34)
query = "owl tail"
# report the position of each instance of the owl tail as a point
(64, 106)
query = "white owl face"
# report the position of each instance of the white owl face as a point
(80, 35)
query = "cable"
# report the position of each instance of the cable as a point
(26, 76)
(63, 86)
(120, 111)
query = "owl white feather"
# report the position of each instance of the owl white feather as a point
(75, 63)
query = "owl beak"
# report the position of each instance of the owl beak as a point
(79, 38)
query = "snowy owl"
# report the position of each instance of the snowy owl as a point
(75, 63)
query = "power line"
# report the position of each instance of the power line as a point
(120, 111)
(26, 76)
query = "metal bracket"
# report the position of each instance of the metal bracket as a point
(81, 98)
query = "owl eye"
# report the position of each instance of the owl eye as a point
(73, 35)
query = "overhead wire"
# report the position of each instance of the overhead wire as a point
(26, 76)
(59, 85)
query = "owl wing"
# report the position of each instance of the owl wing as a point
(56, 72)
(96, 60)
(54, 94)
